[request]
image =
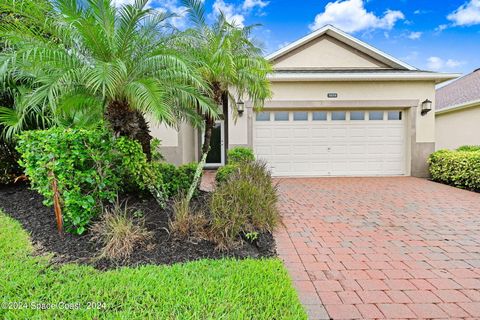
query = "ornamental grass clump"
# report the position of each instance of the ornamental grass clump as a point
(120, 233)
(244, 203)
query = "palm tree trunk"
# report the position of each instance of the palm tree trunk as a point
(219, 96)
(129, 123)
(207, 137)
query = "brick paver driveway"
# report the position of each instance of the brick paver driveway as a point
(381, 247)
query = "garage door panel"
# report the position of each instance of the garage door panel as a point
(279, 134)
(320, 148)
(301, 133)
(302, 150)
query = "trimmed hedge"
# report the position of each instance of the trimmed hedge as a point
(236, 157)
(457, 168)
(177, 179)
(469, 148)
(240, 155)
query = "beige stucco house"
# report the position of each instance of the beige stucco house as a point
(340, 107)
(457, 117)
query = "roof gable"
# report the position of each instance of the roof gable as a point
(331, 48)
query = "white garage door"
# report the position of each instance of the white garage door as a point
(331, 143)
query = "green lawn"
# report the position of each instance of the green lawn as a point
(207, 289)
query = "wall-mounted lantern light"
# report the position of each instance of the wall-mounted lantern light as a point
(240, 107)
(426, 107)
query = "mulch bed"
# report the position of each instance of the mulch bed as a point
(25, 205)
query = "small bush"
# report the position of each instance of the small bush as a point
(120, 233)
(82, 162)
(135, 171)
(240, 155)
(187, 223)
(457, 168)
(469, 148)
(244, 204)
(176, 179)
(223, 173)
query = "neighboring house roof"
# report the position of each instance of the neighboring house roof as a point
(392, 70)
(463, 92)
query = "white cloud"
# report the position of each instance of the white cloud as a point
(441, 27)
(251, 4)
(231, 13)
(415, 35)
(351, 16)
(437, 63)
(467, 14)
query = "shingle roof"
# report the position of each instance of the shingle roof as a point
(465, 89)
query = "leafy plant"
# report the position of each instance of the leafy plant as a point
(240, 155)
(119, 232)
(458, 168)
(82, 161)
(251, 236)
(155, 146)
(176, 179)
(137, 172)
(223, 173)
(245, 203)
(469, 148)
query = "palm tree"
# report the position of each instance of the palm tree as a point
(228, 60)
(99, 59)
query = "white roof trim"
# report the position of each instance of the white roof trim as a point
(348, 39)
(359, 76)
(459, 107)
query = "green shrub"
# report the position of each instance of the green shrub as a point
(176, 179)
(223, 173)
(82, 162)
(135, 171)
(469, 148)
(456, 168)
(243, 204)
(240, 155)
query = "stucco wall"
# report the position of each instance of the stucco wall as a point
(458, 128)
(178, 145)
(327, 52)
(168, 135)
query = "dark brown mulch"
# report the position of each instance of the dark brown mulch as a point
(25, 205)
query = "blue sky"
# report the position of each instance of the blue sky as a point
(442, 35)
